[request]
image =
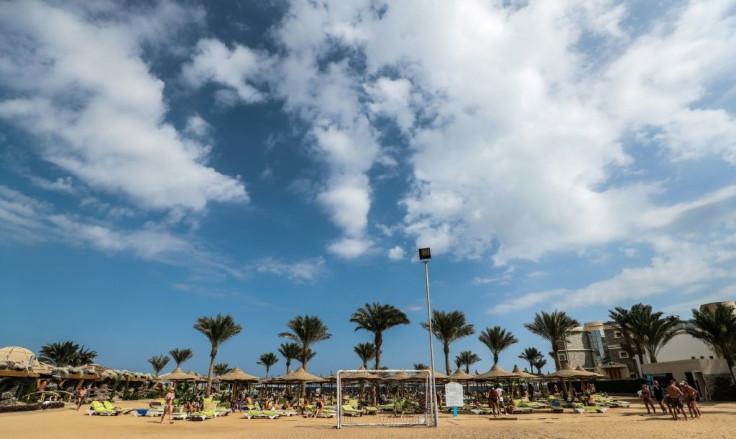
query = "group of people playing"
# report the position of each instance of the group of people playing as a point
(672, 400)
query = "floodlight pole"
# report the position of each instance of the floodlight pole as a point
(431, 347)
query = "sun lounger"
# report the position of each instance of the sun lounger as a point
(119, 410)
(349, 410)
(556, 406)
(259, 413)
(97, 408)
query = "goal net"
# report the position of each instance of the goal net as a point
(384, 398)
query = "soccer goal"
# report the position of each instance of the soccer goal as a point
(385, 398)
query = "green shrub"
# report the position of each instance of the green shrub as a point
(628, 386)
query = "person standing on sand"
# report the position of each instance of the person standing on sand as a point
(674, 395)
(493, 402)
(81, 396)
(168, 406)
(646, 395)
(659, 395)
(690, 398)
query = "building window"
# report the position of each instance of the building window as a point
(617, 334)
(563, 357)
(623, 354)
(692, 358)
(711, 357)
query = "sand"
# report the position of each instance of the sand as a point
(719, 421)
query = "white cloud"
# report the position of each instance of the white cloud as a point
(61, 184)
(350, 248)
(82, 89)
(29, 221)
(240, 69)
(396, 253)
(684, 266)
(307, 270)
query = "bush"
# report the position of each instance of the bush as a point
(629, 386)
(723, 390)
(19, 408)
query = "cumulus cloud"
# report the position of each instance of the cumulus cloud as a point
(396, 253)
(240, 69)
(77, 82)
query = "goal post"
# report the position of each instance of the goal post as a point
(385, 398)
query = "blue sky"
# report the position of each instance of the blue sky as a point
(171, 160)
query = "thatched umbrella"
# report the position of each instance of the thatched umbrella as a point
(497, 373)
(237, 376)
(361, 374)
(522, 374)
(567, 372)
(177, 375)
(298, 376)
(461, 375)
(400, 376)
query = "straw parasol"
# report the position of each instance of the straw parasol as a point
(400, 376)
(587, 373)
(361, 374)
(299, 376)
(177, 375)
(496, 373)
(461, 375)
(440, 376)
(523, 374)
(237, 376)
(568, 372)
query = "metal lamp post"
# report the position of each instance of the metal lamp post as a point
(425, 255)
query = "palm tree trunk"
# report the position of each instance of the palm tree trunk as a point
(730, 362)
(495, 358)
(213, 354)
(378, 341)
(555, 350)
(447, 359)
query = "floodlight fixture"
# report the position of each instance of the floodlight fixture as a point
(425, 254)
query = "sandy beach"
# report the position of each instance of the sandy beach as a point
(717, 422)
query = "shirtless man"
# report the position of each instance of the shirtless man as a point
(690, 398)
(674, 396)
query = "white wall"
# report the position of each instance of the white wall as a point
(684, 347)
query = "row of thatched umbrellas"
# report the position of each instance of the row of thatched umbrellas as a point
(301, 376)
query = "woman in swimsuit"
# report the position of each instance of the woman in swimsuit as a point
(646, 395)
(168, 406)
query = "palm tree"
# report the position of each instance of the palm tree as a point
(221, 369)
(644, 330)
(180, 355)
(660, 330)
(377, 318)
(158, 363)
(631, 324)
(531, 355)
(496, 340)
(290, 351)
(306, 330)
(66, 353)
(218, 330)
(554, 328)
(466, 358)
(420, 366)
(539, 364)
(448, 327)
(365, 351)
(717, 328)
(268, 359)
